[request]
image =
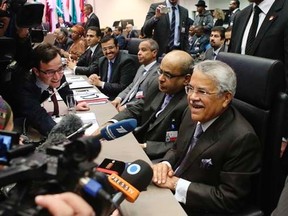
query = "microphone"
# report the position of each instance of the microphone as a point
(137, 175)
(60, 87)
(118, 129)
(81, 130)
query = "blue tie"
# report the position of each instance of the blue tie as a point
(172, 29)
(109, 75)
(164, 104)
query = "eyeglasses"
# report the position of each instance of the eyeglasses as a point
(108, 48)
(51, 73)
(201, 92)
(167, 74)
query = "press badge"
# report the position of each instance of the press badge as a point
(183, 30)
(139, 95)
(171, 136)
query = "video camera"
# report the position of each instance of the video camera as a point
(57, 169)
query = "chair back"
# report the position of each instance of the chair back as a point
(261, 100)
(133, 48)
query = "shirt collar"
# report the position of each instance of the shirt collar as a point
(207, 124)
(93, 48)
(265, 5)
(147, 67)
(40, 84)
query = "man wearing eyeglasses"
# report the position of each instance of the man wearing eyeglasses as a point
(159, 113)
(46, 77)
(217, 152)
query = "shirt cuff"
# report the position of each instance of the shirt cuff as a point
(113, 120)
(181, 190)
(102, 86)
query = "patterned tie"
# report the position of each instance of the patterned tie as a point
(197, 133)
(253, 30)
(55, 103)
(164, 104)
(172, 29)
(109, 75)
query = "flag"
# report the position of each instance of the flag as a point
(48, 12)
(81, 4)
(73, 12)
(59, 8)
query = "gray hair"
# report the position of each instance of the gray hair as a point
(154, 45)
(221, 73)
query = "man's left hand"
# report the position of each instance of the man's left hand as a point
(82, 106)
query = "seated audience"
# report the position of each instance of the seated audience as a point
(191, 34)
(228, 33)
(131, 33)
(199, 43)
(160, 112)
(87, 63)
(46, 75)
(218, 16)
(217, 153)
(116, 69)
(147, 56)
(62, 23)
(79, 44)
(118, 34)
(217, 42)
(63, 41)
(108, 31)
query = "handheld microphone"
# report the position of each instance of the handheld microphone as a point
(118, 129)
(81, 130)
(137, 175)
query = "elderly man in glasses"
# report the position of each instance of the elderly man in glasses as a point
(217, 153)
(159, 113)
(46, 77)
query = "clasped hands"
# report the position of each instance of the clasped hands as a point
(163, 176)
(94, 79)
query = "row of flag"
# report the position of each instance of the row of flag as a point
(71, 10)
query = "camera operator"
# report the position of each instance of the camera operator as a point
(65, 204)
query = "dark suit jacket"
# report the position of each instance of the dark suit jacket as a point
(209, 54)
(92, 21)
(28, 100)
(162, 28)
(123, 72)
(219, 22)
(144, 80)
(271, 40)
(235, 153)
(133, 34)
(67, 24)
(153, 130)
(199, 46)
(232, 17)
(87, 65)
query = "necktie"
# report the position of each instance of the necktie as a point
(55, 103)
(131, 94)
(253, 30)
(197, 133)
(109, 75)
(164, 104)
(172, 29)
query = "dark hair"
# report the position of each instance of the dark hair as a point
(119, 28)
(107, 38)
(44, 52)
(237, 2)
(219, 29)
(96, 29)
(229, 28)
(89, 6)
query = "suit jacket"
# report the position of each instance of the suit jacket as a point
(121, 41)
(28, 101)
(133, 34)
(209, 54)
(219, 22)
(154, 130)
(232, 17)
(92, 21)
(65, 46)
(87, 65)
(222, 163)
(162, 28)
(144, 80)
(123, 71)
(67, 24)
(282, 208)
(272, 38)
(199, 46)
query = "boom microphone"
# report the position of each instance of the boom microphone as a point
(118, 129)
(135, 179)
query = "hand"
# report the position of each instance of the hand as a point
(95, 80)
(161, 172)
(71, 64)
(65, 204)
(116, 102)
(283, 147)
(170, 183)
(22, 32)
(82, 106)
(158, 11)
(121, 108)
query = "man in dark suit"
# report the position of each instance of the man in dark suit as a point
(147, 56)
(217, 42)
(199, 42)
(47, 75)
(159, 21)
(62, 23)
(234, 8)
(131, 33)
(118, 34)
(92, 19)
(217, 151)
(116, 69)
(160, 112)
(88, 62)
(62, 40)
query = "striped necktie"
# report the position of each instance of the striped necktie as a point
(172, 29)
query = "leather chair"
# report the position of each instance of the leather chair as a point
(133, 47)
(261, 99)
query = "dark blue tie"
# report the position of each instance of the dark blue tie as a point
(253, 30)
(109, 74)
(172, 29)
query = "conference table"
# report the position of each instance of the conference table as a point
(154, 201)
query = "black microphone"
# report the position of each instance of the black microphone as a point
(118, 129)
(59, 88)
(134, 179)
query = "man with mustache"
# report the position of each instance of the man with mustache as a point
(217, 151)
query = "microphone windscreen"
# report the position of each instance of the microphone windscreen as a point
(67, 125)
(139, 174)
(118, 129)
(52, 139)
